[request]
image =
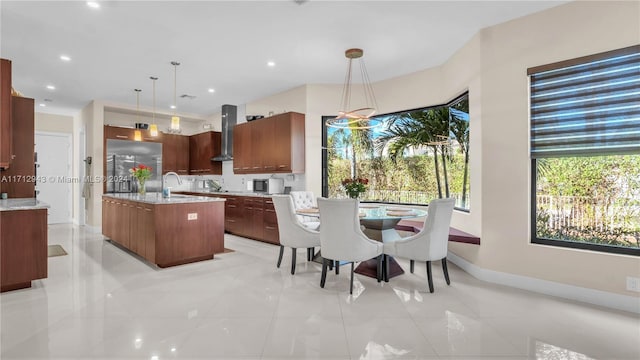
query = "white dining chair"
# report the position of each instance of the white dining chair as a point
(292, 233)
(430, 244)
(305, 200)
(341, 238)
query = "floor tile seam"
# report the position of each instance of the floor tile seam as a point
(424, 336)
(269, 329)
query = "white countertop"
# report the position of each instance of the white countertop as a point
(157, 199)
(22, 204)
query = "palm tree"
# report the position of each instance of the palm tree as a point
(417, 129)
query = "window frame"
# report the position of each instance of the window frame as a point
(534, 239)
(324, 152)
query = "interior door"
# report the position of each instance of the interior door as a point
(54, 160)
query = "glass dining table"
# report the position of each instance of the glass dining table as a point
(379, 222)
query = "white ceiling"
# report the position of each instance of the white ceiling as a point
(225, 45)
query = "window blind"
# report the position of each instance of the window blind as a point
(589, 105)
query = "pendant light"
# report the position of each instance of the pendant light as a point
(153, 128)
(175, 120)
(358, 118)
(137, 134)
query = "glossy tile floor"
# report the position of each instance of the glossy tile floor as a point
(102, 302)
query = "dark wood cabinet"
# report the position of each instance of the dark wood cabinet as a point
(20, 176)
(175, 154)
(270, 223)
(5, 113)
(124, 133)
(242, 146)
(270, 145)
(202, 147)
(23, 248)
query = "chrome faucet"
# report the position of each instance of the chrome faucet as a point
(165, 191)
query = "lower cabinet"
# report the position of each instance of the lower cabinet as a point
(23, 248)
(270, 222)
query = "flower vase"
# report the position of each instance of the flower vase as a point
(353, 194)
(142, 190)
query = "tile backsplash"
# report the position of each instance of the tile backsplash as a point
(232, 182)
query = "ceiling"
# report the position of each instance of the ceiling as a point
(225, 46)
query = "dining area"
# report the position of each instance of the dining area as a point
(338, 232)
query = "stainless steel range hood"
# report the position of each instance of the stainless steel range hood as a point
(229, 120)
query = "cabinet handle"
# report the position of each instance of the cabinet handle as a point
(149, 210)
(182, 170)
(282, 166)
(269, 210)
(256, 167)
(268, 201)
(231, 206)
(230, 220)
(269, 227)
(122, 137)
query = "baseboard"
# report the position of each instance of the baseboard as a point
(596, 297)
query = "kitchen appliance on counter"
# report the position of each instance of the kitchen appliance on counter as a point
(268, 186)
(123, 155)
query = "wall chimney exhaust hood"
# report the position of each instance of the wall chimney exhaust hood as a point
(229, 120)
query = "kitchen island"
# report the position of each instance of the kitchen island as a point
(165, 231)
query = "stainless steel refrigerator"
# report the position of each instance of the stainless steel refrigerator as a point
(123, 155)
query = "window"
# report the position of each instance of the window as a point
(416, 156)
(585, 151)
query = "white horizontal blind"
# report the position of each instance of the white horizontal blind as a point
(587, 106)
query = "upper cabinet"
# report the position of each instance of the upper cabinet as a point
(270, 145)
(5, 113)
(23, 150)
(175, 154)
(123, 133)
(203, 147)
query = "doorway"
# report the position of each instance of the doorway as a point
(54, 174)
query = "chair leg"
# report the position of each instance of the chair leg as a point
(386, 268)
(323, 277)
(429, 277)
(280, 256)
(337, 267)
(293, 260)
(351, 285)
(411, 263)
(445, 270)
(310, 254)
(379, 269)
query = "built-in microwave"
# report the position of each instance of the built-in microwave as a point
(268, 186)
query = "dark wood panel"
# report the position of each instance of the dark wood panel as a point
(21, 171)
(5, 113)
(182, 238)
(23, 247)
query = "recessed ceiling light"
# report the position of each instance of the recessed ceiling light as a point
(271, 64)
(65, 58)
(211, 90)
(51, 87)
(43, 105)
(172, 106)
(93, 4)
